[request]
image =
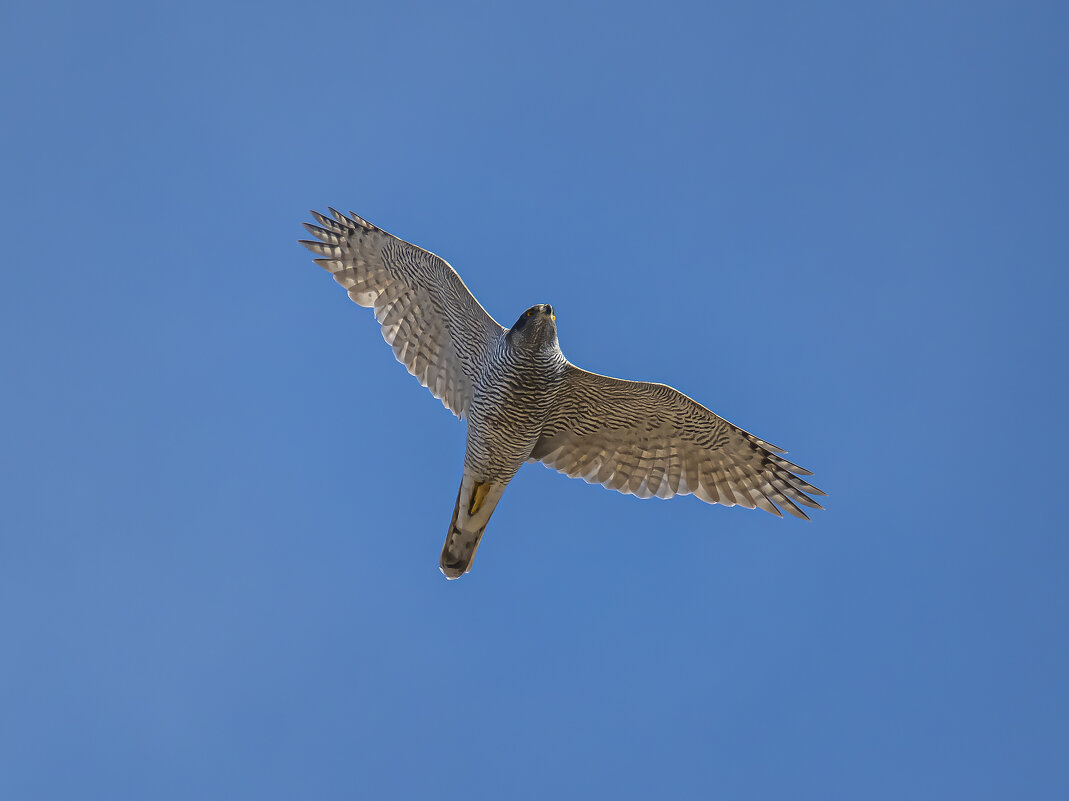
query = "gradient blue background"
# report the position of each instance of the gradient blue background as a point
(841, 226)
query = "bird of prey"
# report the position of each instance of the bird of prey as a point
(525, 402)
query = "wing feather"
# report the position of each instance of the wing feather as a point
(652, 440)
(436, 327)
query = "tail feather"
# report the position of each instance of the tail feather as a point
(458, 554)
(476, 501)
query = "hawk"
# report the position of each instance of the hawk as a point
(525, 402)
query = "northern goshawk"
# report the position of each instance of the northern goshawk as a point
(525, 402)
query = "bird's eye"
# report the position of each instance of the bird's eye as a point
(528, 314)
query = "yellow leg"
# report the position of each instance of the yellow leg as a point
(478, 492)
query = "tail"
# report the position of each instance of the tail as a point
(476, 501)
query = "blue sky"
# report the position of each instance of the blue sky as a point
(841, 226)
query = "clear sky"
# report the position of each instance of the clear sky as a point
(842, 226)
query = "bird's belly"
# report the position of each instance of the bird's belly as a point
(502, 432)
(499, 443)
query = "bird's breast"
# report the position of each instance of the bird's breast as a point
(511, 402)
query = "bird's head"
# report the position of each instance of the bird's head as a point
(536, 328)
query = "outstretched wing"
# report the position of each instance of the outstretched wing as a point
(435, 325)
(649, 439)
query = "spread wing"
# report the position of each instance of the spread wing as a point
(649, 439)
(435, 325)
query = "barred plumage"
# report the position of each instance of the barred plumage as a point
(435, 325)
(524, 401)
